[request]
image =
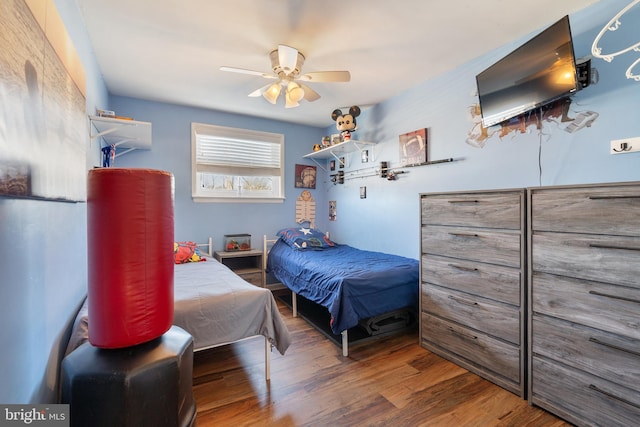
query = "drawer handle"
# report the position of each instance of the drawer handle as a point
(473, 337)
(461, 301)
(626, 248)
(601, 294)
(613, 346)
(460, 267)
(463, 201)
(612, 197)
(464, 234)
(612, 396)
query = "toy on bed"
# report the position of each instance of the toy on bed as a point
(346, 123)
(352, 284)
(184, 252)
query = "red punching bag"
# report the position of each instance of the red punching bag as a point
(130, 255)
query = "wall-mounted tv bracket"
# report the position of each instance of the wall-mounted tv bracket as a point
(586, 74)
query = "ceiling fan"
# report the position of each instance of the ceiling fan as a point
(286, 63)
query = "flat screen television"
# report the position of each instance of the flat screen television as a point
(540, 71)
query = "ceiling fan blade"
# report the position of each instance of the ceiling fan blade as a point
(288, 58)
(259, 92)
(250, 72)
(326, 76)
(309, 94)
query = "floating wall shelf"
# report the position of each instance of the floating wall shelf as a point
(128, 134)
(340, 150)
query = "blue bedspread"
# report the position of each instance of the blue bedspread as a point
(352, 284)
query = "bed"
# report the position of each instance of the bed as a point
(216, 307)
(352, 284)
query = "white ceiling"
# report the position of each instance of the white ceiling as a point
(171, 50)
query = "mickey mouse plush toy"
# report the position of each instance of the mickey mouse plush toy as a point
(346, 123)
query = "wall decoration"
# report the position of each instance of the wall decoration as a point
(337, 178)
(346, 122)
(15, 178)
(306, 209)
(332, 210)
(413, 147)
(364, 156)
(613, 25)
(43, 136)
(305, 176)
(556, 113)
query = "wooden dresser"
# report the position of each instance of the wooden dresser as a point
(584, 321)
(473, 270)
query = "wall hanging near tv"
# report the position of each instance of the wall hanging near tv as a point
(538, 72)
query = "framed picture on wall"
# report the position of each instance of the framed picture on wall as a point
(305, 176)
(413, 147)
(332, 210)
(364, 156)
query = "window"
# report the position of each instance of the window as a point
(236, 165)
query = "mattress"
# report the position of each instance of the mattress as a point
(353, 284)
(215, 306)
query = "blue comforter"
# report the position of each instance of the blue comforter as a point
(352, 284)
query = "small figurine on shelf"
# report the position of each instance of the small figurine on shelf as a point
(108, 156)
(346, 123)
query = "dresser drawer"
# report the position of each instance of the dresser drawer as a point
(488, 210)
(491, 281)
(613, 357)
(490, 246)
(611, 210)
(603, 258)
(480, 350)
(606, 307)
(495, 319)
(582, 398)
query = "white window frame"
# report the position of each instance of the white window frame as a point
(237, 170)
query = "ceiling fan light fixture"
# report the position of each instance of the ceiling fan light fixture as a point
(272, 93)
(290, 102)
(286, 65)
(295, 92)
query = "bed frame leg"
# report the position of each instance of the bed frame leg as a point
(345, 343)
(294, 303)
(267, 359)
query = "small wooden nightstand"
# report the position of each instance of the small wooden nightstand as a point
(246, 264)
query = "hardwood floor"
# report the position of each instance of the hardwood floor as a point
(391, 381)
